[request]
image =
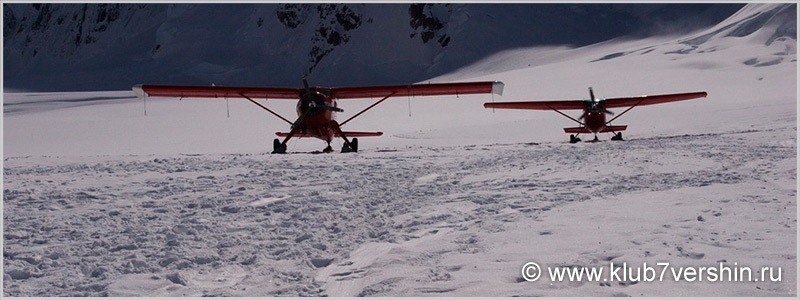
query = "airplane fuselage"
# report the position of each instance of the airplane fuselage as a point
(595, 121)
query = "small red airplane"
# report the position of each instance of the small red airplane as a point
(317, 106)
(595, 111)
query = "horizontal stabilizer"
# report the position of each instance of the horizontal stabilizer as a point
(614, 128)
(576, 130)
(604, 129)
(361, 133)
(346, 133)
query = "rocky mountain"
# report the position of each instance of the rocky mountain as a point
(113, 46)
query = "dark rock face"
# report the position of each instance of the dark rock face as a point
(426, 24)
(75, 26)
(292, 15)
(9, 22)
(333, 23)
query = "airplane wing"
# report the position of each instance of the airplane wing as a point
(607, 103)
(649, 100)
(540, 105)
(184, 91)
(432, 89)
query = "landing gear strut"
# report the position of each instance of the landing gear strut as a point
(279, 146)
(617, 137)
(349, 145)
(328, 149)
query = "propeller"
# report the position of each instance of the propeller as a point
(315, 103)
(328, 107)
(594, 105)
(305, 83)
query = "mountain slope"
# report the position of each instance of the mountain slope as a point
(113, 46)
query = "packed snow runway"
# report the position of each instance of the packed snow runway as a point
(422, 221)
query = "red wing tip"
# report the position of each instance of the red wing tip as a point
(700, 94)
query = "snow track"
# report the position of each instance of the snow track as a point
(422, 221)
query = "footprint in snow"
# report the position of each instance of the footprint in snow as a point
(427, 178)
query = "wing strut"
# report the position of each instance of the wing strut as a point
(409, 105)
(619, 115)
(267, 109)
(563, 114)
(366, 109)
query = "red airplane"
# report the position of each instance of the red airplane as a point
(317, 106)
(595, 111)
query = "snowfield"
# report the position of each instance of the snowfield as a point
(101, 200)
(422, 221)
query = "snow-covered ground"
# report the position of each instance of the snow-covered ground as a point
(99, 199)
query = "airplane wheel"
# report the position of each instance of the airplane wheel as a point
(327, 149)
(278, 147)
(573, 139)
(354, 144)
(617, 137)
